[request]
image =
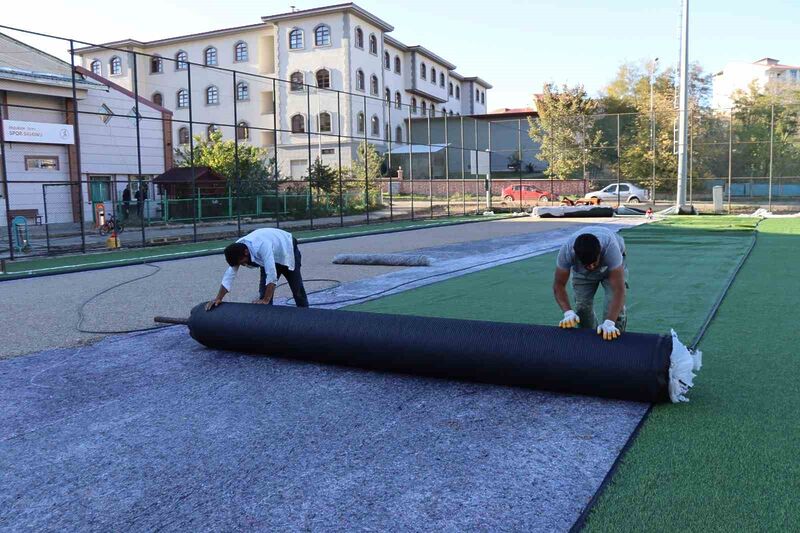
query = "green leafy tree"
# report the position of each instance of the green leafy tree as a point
(323, 178)
(565, 130)
(366, 170)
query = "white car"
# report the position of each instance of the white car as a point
(628, 193)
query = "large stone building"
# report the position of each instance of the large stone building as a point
(340, 78)
(739, 75)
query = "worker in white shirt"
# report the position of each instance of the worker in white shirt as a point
(276, 252)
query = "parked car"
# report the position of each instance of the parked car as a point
(526, 193)
(628, 193)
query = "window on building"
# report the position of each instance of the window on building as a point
(212, 95)
(483, 97)
(115, 66)
(359, 80)
(388, 95)
(183, 136)
(413, 105)
(444, 111)
(322, 35)
(324, 79)
(398, 134)
(359, 38)
(458, 92)
(397, 64)
(375, 126)
(433, 75)
(41, 162)
(373, 44)
(181, 60)
(373, 85)
(450, 89)
(157, 99)
(211, 130)
(423, 71)
(450, 113)
(387, 61)
(105, 113)
(324, 121)
(433, 110)
(182, 99)
(328, 151)
(477, 95)
(424, 107)
(210, 56)
(296, 39)
(298, 124)
(240, 52)
(243, 131)
(242, 91)
(296, 81)
(97, 67)
(360, 123)
(156, 65)
(441, 79)
(398, 100)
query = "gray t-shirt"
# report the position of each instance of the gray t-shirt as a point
(612, 248)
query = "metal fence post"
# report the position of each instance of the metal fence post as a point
(275, 171)
(75, 121)
(389, 139)
(447, 163)
(619, 162)
(463, 169)
(310, 199)
(191, 152)
(430, 165)
(339, 151)
(366, 163)
(519, 162)
(730, 156)
(237, 170)
(138, 146)
(411, 160)
(4, 176)
(771, 149)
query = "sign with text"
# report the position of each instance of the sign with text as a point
(19, 131)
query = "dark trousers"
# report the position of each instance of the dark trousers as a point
(293, 277)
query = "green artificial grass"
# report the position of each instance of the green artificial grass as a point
(62, 264)
(730, 459)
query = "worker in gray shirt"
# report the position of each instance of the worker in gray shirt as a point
(594, 256)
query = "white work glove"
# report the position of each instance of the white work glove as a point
(570, 320)
(608, 330)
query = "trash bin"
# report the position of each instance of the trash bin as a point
(716, 195)
(19, 231)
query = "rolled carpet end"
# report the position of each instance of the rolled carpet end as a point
(382, 259)
(682, 366)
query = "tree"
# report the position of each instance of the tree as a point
(565, 130)
(323, 178)
(255, 171)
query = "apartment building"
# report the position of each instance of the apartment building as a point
(341, 78)
(739, 75)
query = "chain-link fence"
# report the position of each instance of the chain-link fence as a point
(175, 146)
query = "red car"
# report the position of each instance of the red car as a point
(527, 193)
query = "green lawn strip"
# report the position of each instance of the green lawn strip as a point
(61, 264)
(729, 460)
(676, 273)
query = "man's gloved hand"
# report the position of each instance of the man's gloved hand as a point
(570, 320)
(608, 330)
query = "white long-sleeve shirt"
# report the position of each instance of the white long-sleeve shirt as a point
(267, 246)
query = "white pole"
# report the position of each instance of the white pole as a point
(683, 108)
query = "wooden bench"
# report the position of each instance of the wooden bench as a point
(30, 214)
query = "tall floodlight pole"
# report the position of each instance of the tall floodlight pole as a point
(653, 67)
(683, 108)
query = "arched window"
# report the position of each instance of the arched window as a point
(115, 66)
(424, 107)
(441, 79)
(157, 99)
(444, 111)
(413, 105)
(156, 65)
(398, 134)
(477, 95)
(397, 64)
(97, 67)
(398, 100)
(450, 88)
(322, 35)
(240, 52)
(450, 113)
(387, 61)
(376, 125)
(423, 71)
(388, 94)
(212, 95)
(181, 60)
(359, 80)
(373, 85)
(296, 39)
(296, 81)
(324, 79)
(210, 56)
(242, 91)
(433, 110)
(458, 92)
(183, 136)
(433, 75)
(298, 124)
(373, 44)
(243, 131)
(211, 130)
(324, 122)
(359, 38)
(360, 123)
(182, 98)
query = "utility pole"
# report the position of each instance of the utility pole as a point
(653, 67)
(683, 109)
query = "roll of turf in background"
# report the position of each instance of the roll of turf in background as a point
(634, 367)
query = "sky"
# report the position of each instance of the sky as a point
(515, 45)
